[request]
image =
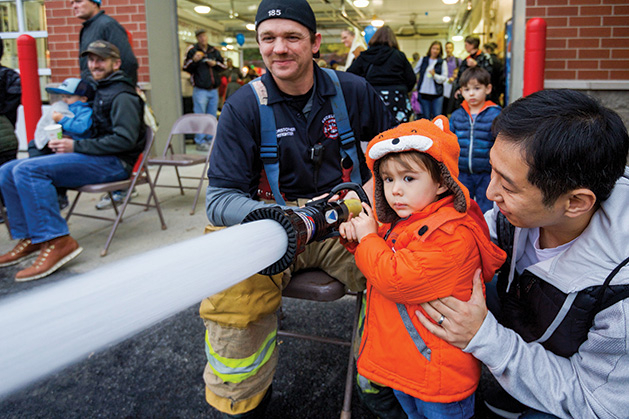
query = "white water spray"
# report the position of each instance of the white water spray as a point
(50, 327)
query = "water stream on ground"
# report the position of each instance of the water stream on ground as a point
(49, 327)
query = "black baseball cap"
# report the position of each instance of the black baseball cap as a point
(103, 49)
(296, 10)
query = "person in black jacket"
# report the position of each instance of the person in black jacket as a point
(10, 97)
(388, 70)
(476, 58)
(205, 64)
(28, 185)
(99, 26)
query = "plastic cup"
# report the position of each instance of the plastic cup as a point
(53, 132)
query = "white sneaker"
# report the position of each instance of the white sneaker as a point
(119, 196)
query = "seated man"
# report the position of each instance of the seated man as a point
(560, 341)
(306, 131)
(28, 185)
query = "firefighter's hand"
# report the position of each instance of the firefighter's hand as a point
(63, 145)
(471, 63)
(365, 223)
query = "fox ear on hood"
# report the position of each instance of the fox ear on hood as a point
(442, 122)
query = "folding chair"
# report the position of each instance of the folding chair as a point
(192, 123)
(316, 285)
(139, 176)
(3, 213)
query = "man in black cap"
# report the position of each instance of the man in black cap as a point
(204, 63)
(99, 26)
(314, 147)
(28, 185)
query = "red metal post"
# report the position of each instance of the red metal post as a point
(31, 95)
(534, 56)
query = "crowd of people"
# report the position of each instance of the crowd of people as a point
(520, 209)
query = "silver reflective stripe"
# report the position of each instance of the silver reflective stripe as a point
(224, 369)
(559, 318)
(414, 334)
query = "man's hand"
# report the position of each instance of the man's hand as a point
(64, 145)
(56, 116)
(365, 223)
(198, 56)
(471, 63)
(456, 321)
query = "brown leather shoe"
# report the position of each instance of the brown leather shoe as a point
(23, 250)
(54, 254)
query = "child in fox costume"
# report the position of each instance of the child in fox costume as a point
(429, 244)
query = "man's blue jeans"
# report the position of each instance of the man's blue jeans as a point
(28, 189)
(204, 101)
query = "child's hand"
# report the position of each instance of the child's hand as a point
(56, 116)
(365, 223)
(347, 230)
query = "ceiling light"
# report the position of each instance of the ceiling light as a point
(446, 19)
(250, 26)
(450, 1)
(378, 23)
(361, 3)
(203, 10)
(229, 40)
(457, 38)
(229, 47)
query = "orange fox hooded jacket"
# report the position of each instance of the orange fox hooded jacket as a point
(431, 254)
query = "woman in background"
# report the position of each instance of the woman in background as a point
(388, 70)
(356, 45)
(433, 73)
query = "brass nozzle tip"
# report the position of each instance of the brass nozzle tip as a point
(354, 206)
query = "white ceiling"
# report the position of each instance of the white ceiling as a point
(408, 18)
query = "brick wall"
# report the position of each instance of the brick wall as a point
(63, 35)
(585, 39)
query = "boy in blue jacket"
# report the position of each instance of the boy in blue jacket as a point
(472, 125)
(73, 112)
(78, 95)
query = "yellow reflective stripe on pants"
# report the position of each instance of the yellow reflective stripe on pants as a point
(236, 370)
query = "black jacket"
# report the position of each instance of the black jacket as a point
(482, 60)
(382, 65)
(10, 93)
(118, 121)
(103, 27)
(203, 75)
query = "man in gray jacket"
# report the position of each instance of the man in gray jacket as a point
(558, 342)
(99, 26)
(28, 185)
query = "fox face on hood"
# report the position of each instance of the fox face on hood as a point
(431, 137)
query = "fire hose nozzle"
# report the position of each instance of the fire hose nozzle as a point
(316, 221)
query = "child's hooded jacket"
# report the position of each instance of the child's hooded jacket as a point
(431, 254)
